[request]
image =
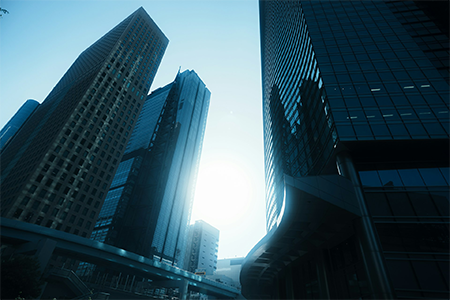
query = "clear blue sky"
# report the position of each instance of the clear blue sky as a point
(39, 40)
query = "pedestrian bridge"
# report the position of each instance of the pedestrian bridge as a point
(45, 242)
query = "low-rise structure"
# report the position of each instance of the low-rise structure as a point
(203, 245)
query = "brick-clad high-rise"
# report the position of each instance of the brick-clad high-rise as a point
(57, 170)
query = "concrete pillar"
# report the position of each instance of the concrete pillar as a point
(183, 289)
(370, 249)
(321, 270)
(182, 286)
(43, 251)
(289, 283)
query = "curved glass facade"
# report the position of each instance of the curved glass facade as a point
(298, 128)
(355, 95)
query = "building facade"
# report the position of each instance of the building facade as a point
(231, 268)
(147, 209)
(202, 248)
(57, 170)
(17, 121)
(356, 136)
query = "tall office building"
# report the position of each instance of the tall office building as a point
(356, 136)
(202, 248)
(17, 121)
(57, 170)
(147, 209)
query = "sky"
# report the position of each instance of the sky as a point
(218, 39)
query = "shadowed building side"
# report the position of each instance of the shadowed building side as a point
(17, 121)
(148, 207)
(356, 133)
(57, 169)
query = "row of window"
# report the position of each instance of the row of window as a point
(406, 177)
(364, 131)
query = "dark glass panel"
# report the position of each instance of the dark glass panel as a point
(423, 204)
(392, 87)
(402, 274)
(433, 177)
(433, 99)
(370, 178)
(416, 100)
(413, 237)
(387, 76)
(373, 114)
(407, 114)
(390, 114)
(400, 204)
(444, 269)
(362, 89)
(383, 101)
(362, 130)
(352, 102)
(389, 237)
(411, 177)
(399, 100)
(390, 178)
(428, 274)
(434, 129)
(340, 116)
(446, 173)
(378, 204)
(380, 130)
(416, 129)
(441, 112)
(367, 101)
(345, 130)
(398, 130)
(441, 200)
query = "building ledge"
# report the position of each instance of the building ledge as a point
(318, 210)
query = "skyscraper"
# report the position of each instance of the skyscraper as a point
(202, 248)
(17, 121)
(355, 104)
(57, 170)
(147, 209)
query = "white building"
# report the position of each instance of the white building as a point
(202, 248)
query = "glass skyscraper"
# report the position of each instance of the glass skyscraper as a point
(147, 209)
(356, 136)
(17, 121)
(57, 170)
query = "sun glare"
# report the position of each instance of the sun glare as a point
(223, 192)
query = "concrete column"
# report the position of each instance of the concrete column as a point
(182, 286)
(183, 289)
(43, 251)
(321, 270)
(289, 283)
(370, 249)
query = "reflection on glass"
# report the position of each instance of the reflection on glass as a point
(390, 178)
(446, 174)
(432, 177)
(369, 178)
(411, 177)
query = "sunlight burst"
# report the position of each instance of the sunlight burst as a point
(223, 191)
